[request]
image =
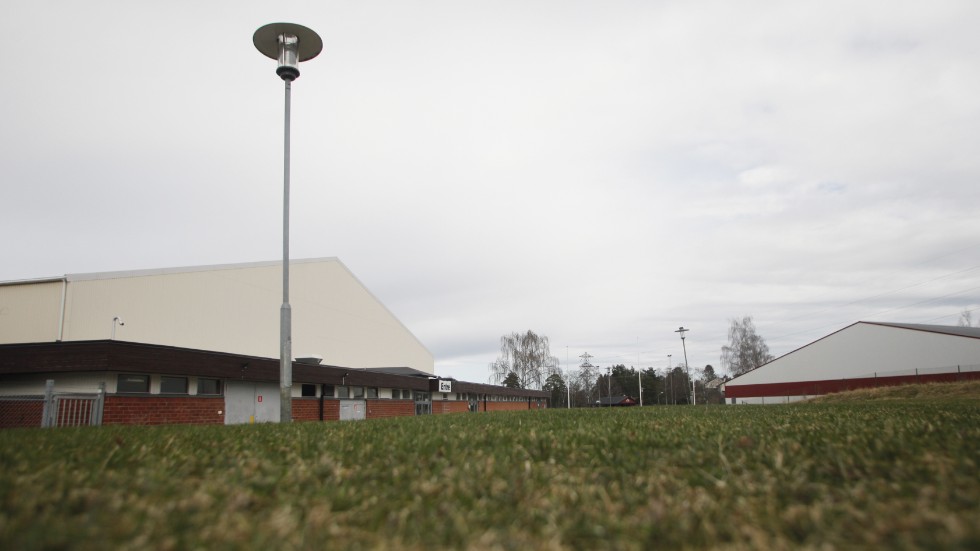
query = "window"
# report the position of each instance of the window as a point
(308, 391)
(133, 383)
(208, 386)
(372, 392)
(173, 385)
(358, 392)
(328, 391)
(395, 394)
(343, 392)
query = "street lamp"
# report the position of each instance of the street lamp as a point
(687, 366)
(288, 44)
(609, 384)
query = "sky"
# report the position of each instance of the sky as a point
(599, 172)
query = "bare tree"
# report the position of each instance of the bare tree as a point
(745, 350)
(966, 319)
(528, 355)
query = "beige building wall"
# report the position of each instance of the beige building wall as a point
(30, 311)
(235, 308)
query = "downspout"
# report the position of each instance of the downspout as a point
(321, 400)
(61, 314)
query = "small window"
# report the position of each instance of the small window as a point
(173, 385)
(372, 392)
(343, 392)
(309, 391)
(328, 391)
(133, 383)
(358, 392)
(208, 386)
(395, 394)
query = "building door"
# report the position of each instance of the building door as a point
(423, 404)
(247, 402)
(353, 410)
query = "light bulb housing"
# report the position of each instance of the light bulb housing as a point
(289, 44)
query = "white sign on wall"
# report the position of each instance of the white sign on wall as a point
(445, 386)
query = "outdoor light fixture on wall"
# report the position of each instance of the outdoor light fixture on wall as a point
(288, 44)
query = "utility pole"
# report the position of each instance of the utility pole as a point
(687, 366)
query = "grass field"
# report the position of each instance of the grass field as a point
(897, 474)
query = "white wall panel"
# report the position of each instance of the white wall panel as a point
(236, 309)
(863, 349)
(30, 312)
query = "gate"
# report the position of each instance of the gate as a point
(72, 409)
(423, 404)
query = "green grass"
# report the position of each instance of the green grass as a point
(885, 474)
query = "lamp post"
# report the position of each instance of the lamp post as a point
(670, 369)
(687, 366)
(609, 384)
(568, 387)
(288, 44)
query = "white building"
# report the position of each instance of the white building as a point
(862, 355)
(227, 308)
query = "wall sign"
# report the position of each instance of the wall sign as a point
(445, 386)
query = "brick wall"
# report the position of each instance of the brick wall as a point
(331, 410)
(306, 409)
(507, 406)
(377, 409)
(160, 410)
(446, 406)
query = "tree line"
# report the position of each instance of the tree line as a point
(526, 361)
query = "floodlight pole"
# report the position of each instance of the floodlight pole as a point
(289, 44)
(687, 366)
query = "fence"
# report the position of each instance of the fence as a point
(53, 409)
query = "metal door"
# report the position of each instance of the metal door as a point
(247, 402)
(352, 410)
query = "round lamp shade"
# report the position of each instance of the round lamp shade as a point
(266, 40)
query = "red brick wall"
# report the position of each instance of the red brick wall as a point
(306, 409)
(446, 406)
(506, 406)
(20, 414)
(159, 410)
(331, 410)
(377, 409)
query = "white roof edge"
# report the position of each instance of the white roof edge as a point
(52, 279)
(190, 269)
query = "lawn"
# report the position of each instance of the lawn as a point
(896, 474)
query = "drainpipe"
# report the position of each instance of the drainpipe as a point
(61, 314)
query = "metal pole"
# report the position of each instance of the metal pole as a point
(687, 366)
(285, 314)
(48, 413)
(639, 381)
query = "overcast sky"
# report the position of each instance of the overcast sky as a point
(601, 172)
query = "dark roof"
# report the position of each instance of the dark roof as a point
(409, 371)
(605, 400)
(134, 357)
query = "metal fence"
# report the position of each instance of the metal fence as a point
(52, 409)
